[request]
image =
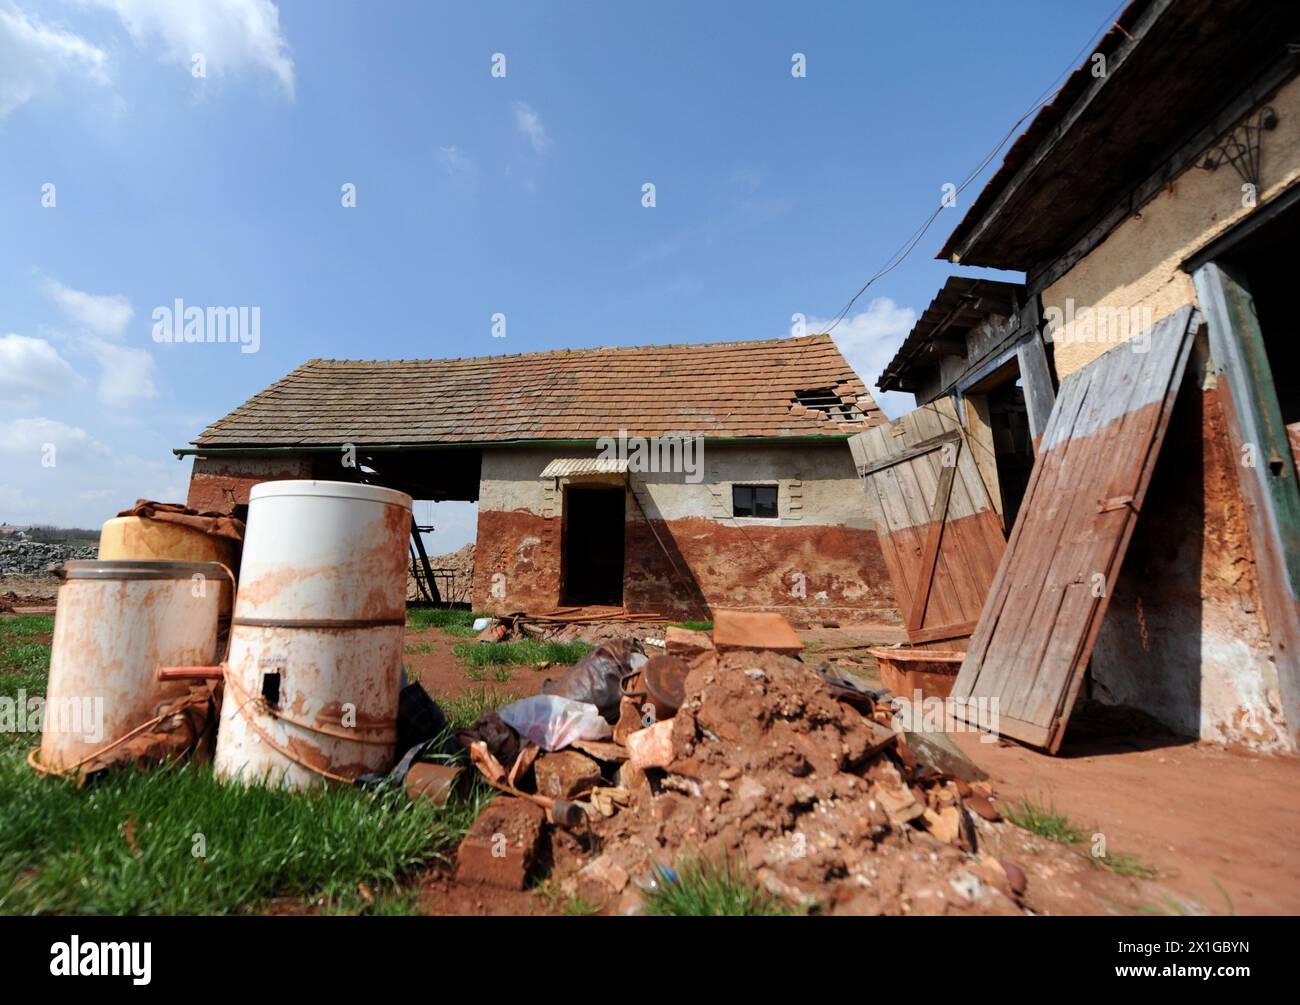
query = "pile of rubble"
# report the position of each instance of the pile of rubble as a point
(34, 558)
(730, 748)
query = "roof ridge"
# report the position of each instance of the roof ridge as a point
(734, 343)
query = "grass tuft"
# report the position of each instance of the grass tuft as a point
(449, 619)
(524, 652)
(1038, 817)
(466, 707)
(706, 888)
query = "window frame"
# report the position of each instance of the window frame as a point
(753, 487)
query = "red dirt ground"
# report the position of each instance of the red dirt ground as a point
(1198, 813)
(443, 675)
(1203, 816)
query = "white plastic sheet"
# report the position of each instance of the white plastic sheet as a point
(553, 722)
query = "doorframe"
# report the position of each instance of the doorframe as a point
(602, 484)
(1240, 362)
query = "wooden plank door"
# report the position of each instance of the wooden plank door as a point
(1040, 622)
(938, 529)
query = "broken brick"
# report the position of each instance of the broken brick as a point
(652, 747)
(754, 630)
(565, 774)
(686, 643)
(503, 844)
(601, 879)
(629, 720)
(433, 781)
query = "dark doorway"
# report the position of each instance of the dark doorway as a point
(1003, 401)
(593, 545)
(1267, 259)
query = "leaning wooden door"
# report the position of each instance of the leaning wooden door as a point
(1037, 630)
(939, 532)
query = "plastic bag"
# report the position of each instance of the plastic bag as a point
(553, 722)
(595, 678)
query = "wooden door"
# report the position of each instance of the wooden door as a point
(1040, 622)
(939, 531)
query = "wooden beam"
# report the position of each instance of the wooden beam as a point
(930, 557)
(925, 447)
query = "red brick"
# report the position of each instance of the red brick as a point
(752, 630)
(686, 643)
(503, 844)
(565, 774)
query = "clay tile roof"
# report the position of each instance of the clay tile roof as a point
(731, 389)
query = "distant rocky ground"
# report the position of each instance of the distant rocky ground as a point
(25, 576)
(457, 589)
(25, 565)
(34, 558)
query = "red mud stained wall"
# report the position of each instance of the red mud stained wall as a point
(219, 484)
(516, 562)
(808, 573)
(1184, 637)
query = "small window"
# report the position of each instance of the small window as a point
(753, 500)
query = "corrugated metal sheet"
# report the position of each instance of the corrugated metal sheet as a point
(1038, 627)
(568, 467)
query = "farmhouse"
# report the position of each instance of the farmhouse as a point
(661, 478)
(1129, 412)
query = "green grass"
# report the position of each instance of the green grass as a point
(466, 707)
(423, 648)
(706, 888)
(1041, 818)
(524, 652)
(571, 905)
(65, 850)
(20, 652)
(126, 844)
(1038, 817)
(25, 626)
(449, 620)
(1124, 865)
(695, 626)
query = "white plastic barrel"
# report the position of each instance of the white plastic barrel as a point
(117, 622)
(315, 660)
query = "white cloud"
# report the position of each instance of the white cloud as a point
(26, 440)
(35, 58)
(31, 370)
(456, 162)
(869, 340)
(125, 374)
(530, 124)
(232, 35)
(106, 314)
(81, 482)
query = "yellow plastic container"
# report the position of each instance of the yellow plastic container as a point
(135, 539)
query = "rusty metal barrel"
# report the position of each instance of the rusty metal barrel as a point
(315, 661)
(117, 622)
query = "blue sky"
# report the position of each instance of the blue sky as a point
(475, 194)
